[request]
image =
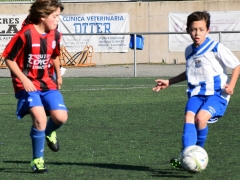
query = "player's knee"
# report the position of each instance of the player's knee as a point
(60, 117)
(201, 120)
(64, 118)
(39, 124)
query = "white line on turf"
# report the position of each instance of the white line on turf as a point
(120, 88)
(99, 89)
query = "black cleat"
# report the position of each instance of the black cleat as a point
(52, 141)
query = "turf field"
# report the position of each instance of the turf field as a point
(118, 129)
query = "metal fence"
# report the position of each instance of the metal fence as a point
(140, 33)
(151, 33)
(16, 1)
(76, 1)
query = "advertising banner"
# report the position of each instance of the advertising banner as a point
(95, 23)
(220, 21)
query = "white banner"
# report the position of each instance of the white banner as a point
(95, 23)
(9, 24)
(220, 21)
(82, 24)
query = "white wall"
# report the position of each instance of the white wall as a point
(144, 17)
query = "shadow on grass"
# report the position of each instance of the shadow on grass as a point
(168, 173)
(14, 170)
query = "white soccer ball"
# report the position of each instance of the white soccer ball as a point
(194, 158)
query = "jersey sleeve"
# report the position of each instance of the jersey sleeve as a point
(14, 48)
(56, 51)
(227, 57)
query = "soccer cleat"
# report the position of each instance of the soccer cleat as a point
(38, 166)
(52, 141)
(175, 162)
(212, 120)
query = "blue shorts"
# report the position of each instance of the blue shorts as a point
(50, 100)
(215, 105)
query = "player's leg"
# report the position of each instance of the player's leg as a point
(189, 136)
(214, 106)
(30, 102)
(54, 103)
(37, 135)
(58, 117)
(202, 129)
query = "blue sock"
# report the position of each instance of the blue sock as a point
(38, 140)
(51, 126)
(189, 136)
(202, 136)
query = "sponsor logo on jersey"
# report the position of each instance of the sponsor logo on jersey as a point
(54, 44)
(198, 63)
(38, 61)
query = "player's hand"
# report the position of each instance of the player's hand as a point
(161, 84)
(228, 89)
(28, 85)
(59, 82)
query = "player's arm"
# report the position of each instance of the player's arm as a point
(230, 60)
(181, 77)
(162, 84)
(231, 85)
(56, 65)
(27, 84)
(10, 54)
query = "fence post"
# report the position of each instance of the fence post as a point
(135, 68)
(220, 36)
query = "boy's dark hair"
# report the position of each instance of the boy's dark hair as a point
(198, 16)
(42, 9)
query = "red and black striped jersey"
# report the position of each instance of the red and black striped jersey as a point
(33, 53)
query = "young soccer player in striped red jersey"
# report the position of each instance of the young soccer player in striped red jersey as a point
(209, 87)
(28, 55)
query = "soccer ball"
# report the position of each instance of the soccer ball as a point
(194, 159)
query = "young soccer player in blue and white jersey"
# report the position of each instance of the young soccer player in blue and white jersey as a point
(209, 87)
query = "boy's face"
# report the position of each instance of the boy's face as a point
(198, 32)
(52, 20)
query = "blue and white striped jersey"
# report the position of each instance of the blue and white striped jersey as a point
(206, 68)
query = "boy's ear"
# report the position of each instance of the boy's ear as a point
(42, 19)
